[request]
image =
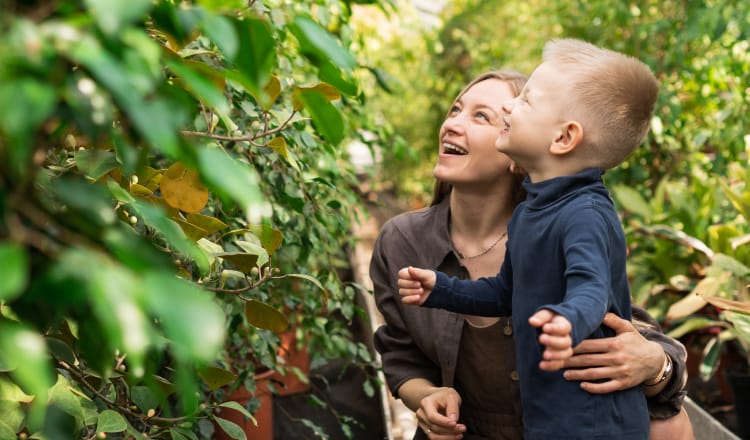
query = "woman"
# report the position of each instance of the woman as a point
(458, 372)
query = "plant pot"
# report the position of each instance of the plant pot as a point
(264, 414)
(739, 381)
(293, 357)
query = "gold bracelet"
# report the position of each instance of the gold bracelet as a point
(666, 370)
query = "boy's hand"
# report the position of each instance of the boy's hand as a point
(414, 284)
(555, 336)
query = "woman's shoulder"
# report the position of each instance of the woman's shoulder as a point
(419, 222)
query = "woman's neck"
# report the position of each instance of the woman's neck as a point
(477, 216)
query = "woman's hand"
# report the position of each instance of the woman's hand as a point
(625, 360)
(437, 414)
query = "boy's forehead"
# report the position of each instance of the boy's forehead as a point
(545, 77)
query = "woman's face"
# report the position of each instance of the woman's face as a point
(467, 137)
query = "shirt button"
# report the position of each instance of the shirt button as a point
(514, 376)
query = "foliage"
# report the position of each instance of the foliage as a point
(699, 51)
(173, 191)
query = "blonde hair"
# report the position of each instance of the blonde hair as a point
(516, 81)
(612, 95)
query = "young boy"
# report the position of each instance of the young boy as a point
(583, 110)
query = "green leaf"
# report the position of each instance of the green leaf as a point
(191, 319)
(207, 223)
(231, 428)
(216, 377)
(95, 163)
(182, 434)
(14, 270)
(231, 404)
(62, 395)
(111, 421)
(310, 279)
(632, 201)
(741, 323)
(692, 324)
(257, 54)
(221, 30)
(144, 398)
(119, 193)
(92, 201)
(198, 80)
(6, 432)
(235, 179)
(241, 261)
(318, 44)
(710, 361)
(24, 353)
(263, 316)
(32, 103)
(113, 15)
(326, 117)
(171, 231)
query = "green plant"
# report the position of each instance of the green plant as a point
(709, 273)
(167, 171)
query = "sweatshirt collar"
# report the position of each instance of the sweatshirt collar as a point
(549, 191)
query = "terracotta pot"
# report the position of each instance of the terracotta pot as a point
(290, 384)
(264, 414)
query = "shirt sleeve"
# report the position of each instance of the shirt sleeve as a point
(487, 296)
(401, 358)
(668, 401)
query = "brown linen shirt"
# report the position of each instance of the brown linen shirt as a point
(424, 343)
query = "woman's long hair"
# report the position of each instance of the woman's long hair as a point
(516, 81)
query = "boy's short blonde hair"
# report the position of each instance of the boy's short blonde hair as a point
(612, 96)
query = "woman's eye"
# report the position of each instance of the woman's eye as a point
(482, 115)
(453, 110)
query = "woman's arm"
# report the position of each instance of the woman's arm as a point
(631, 358)
(437, 408)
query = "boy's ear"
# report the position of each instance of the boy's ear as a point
(569, 137)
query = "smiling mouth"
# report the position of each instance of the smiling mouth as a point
(453, 149)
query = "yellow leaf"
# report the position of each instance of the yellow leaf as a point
(216, 377)
(241, 261)
(269, 238)
(139, 190)
(330, 92)
(728, 304)
(686, 306)
(278, 144)
(262, 315)
(182, 189)
(273, 90)
(210, 224)
(192, 231)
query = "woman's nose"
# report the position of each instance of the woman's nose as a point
(508, 105)
(455, 124)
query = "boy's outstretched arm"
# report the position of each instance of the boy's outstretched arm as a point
(555, 336)
(415, 284)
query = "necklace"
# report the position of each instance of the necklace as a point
(484, 252)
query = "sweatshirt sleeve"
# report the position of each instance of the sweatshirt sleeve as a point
(588, 291)
(487, 296)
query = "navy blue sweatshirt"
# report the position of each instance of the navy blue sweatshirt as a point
(566, 252)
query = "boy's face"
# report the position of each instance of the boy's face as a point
(533, 119)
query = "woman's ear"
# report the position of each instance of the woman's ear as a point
(516, 169)
(570, 136)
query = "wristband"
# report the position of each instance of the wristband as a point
(666, 370)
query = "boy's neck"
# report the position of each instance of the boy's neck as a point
(555, 167)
